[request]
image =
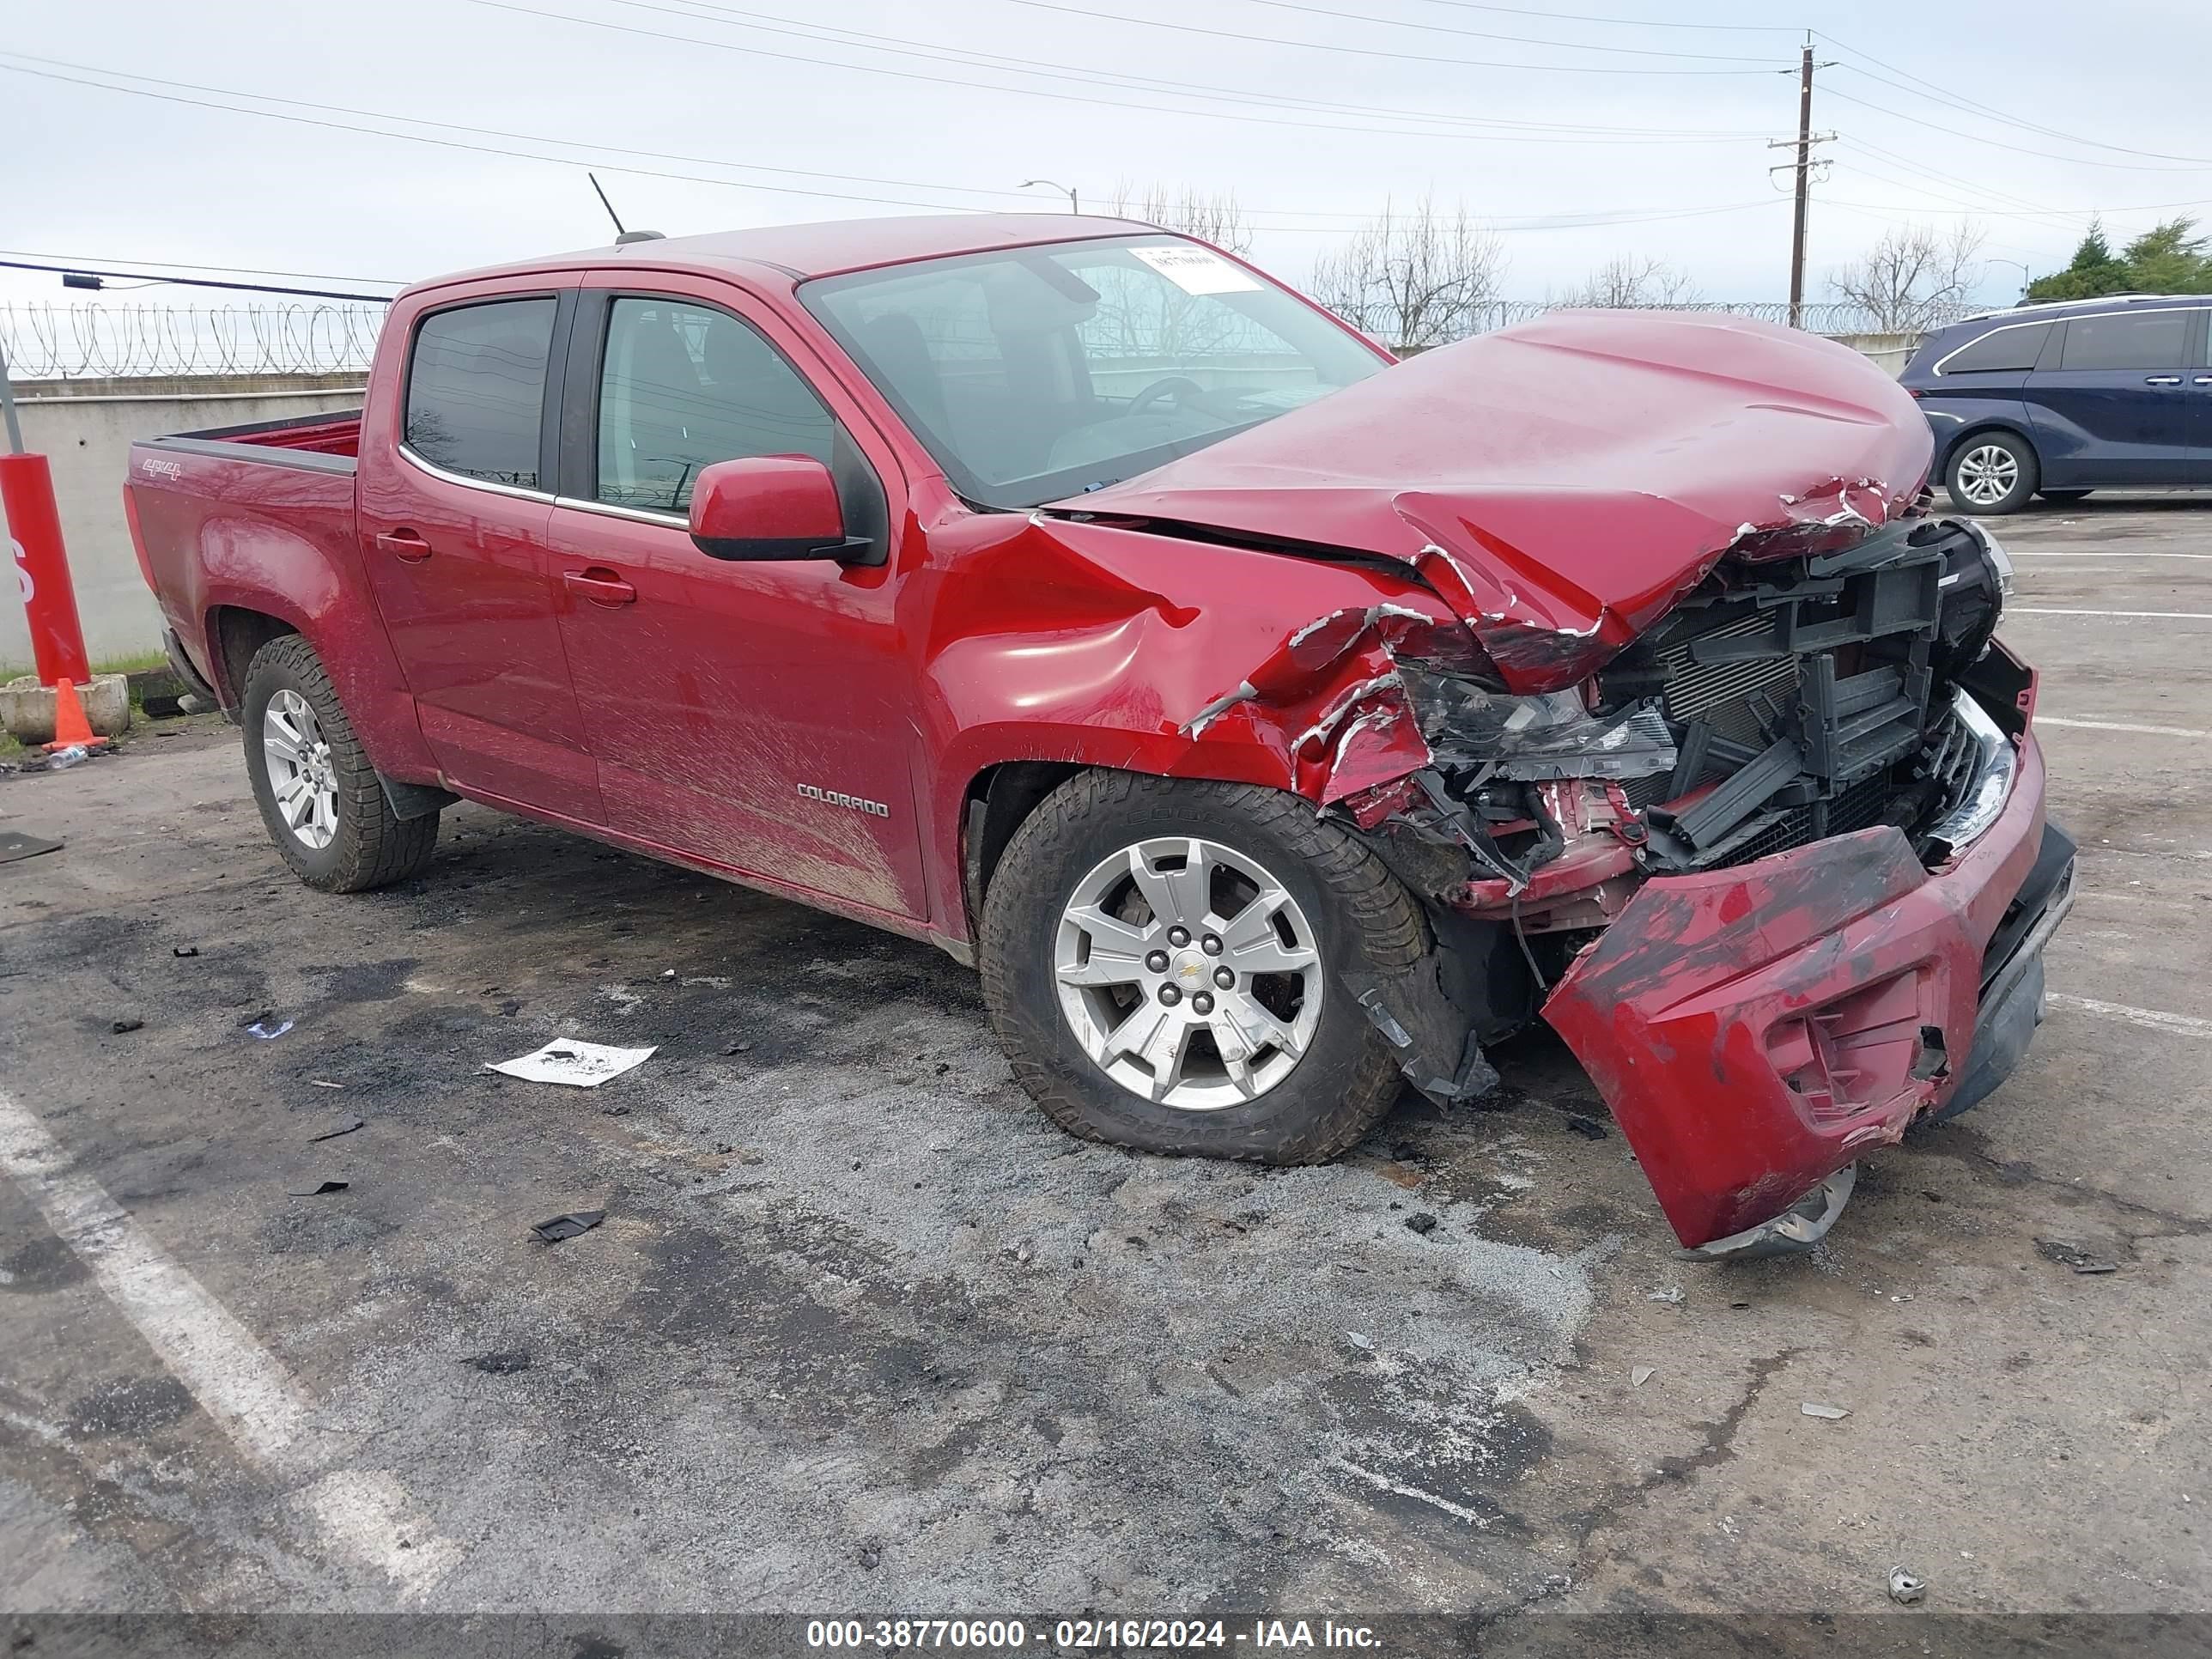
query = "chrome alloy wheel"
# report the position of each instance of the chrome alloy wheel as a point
(302, 775)
(1188, 974)
(1987, 474)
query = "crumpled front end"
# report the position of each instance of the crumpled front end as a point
(1750, 867)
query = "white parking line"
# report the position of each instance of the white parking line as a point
(2117, 725)
(2156, 1019)
(2161, 616)
(364, 1514)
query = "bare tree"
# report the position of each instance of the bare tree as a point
(1913, 276)
(1417, 278)
(1627, 281)
(1211, 216)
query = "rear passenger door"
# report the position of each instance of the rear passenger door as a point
(2111, 398)
(453, 498)
(758, 716)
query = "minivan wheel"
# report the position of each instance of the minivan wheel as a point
(323, 803)
(1992, 472)
(1166, 965)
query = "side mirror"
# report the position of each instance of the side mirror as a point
(769, 506)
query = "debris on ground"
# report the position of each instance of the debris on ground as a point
(738, 1049)
(184, 949)
(267, 1028)
(123, 1027)
(1642, 1375)
(1587, 1126)
(1421, 1222)
(319, 1189)
(342, 1127)
(871, 1556)
(1832, 1413)
(2079, 1257)
(1672, 1293)
(1904, 1588)
(568, 1227)
(564, 1059)
(62, 759)
(323, 1083)
(15, 844)
(1359, 1339)
(504, 1363)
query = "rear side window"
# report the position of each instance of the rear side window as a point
(2012, 348)
(475, 389)
(2146, 339)
(684, 385)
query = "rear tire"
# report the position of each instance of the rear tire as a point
(1278, 886)
(1992, 473)
(323, 803)
(2065, 497)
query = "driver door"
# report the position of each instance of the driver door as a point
(753, 716)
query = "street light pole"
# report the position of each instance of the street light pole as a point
(2026, 278)
(1068, 191)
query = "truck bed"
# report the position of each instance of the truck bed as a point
(333, 440)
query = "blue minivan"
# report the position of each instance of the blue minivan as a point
(2058, 400)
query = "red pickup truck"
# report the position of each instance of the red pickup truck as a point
(1272, 723)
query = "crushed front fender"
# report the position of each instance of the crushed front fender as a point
(1756, 1027)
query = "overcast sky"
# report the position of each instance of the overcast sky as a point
(960, 101)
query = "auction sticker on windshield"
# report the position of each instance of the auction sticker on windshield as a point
(1195, 270)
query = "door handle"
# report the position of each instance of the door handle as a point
(599, 584)
(2161, 379)
(403, 544)
(2202, 380)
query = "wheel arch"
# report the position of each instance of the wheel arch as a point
(2010, 426)
(236, 632)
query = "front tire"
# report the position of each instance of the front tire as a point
(1170, 966)
(323, 803)
(1992, 473)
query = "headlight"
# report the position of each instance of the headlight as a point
(2000, 561)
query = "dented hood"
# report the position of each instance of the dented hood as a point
(1562, 483)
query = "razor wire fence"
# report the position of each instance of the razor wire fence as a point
(44, 342)
(138, 342)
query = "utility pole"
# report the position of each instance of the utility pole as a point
(1806, 139)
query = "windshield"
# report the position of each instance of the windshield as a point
(1040, 372)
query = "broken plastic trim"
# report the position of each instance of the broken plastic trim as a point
(1474, 1078)
(1988, 787)
(1796, 1230)
(1536, 739)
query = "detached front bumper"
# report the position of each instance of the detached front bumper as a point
(1755, 1029)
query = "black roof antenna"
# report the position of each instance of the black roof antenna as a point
(623, 238)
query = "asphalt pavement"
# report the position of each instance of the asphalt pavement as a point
(860, 1331)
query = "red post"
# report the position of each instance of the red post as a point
(42, 572)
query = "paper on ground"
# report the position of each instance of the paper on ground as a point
(564, 1059)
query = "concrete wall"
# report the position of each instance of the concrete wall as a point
(85, 428)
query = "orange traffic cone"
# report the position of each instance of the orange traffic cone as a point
(70, 726)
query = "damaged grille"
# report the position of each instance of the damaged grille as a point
(1809, 699)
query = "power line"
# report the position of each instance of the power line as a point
(193, 281)
(480, 150)
(1563, 222)
(1946, 95)
(2005, 144)
(79, 262)
(1370, 19)
(1337, 50)
(898, 45)
(1624, 23)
